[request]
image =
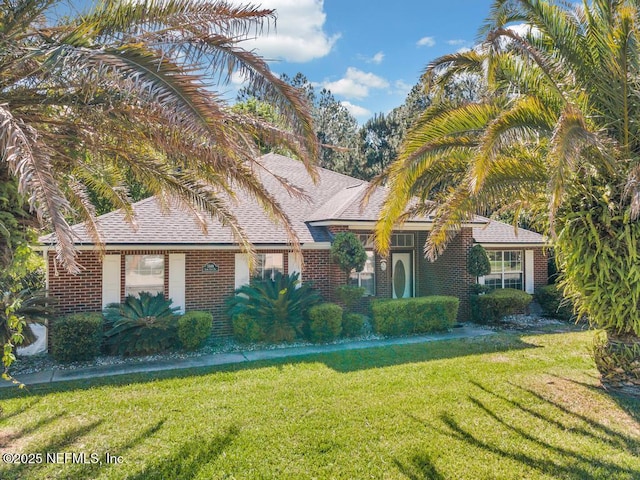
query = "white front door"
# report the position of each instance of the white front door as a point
(401, 275)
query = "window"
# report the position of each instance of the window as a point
(402, 240)
(144, 273)
(268, 264)
(367, 277)
(506, 269)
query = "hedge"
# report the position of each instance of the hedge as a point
(194, 328)
(77, 337)
(325, 322)
(352, 324)
(414, 315)
(492, 307)
(552, 302)
(246, 329)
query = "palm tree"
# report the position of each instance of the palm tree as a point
(556, 132)
(134, 88)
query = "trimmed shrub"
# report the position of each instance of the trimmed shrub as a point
(194, 329)
(414, 315)
(352, 324)
(492, 307)
(76, 337)
(325, 322)
(246, 329)
(348, 252)
(552, 302)
(349, 295)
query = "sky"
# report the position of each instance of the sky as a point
(369, 53)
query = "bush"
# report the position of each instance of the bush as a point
(414, 315)
(490, 308)
(141, 325)
(349, 295)
(553, 303)
(194, 328)
(76, 337)
(278, 306)
(352, 324)
(246, 329)
(325, 322)
(348, 252)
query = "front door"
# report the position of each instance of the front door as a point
(401, 275)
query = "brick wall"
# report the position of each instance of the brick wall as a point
(448, 274)
(540, 267)
(319, 269)
(207, 291)
(77, 293)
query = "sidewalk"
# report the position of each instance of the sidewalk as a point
(58, 375)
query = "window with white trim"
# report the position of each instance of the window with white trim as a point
(144, 273)
(402, 240)
(268, 264)
(367, 277)
(506, 269)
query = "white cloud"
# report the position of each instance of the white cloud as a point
(463, 50)
(356, 110)
(355, 84)
(402, 87)
(377, 58)
(456, 42)
(237, 79)
(298, 35)
(426, 42)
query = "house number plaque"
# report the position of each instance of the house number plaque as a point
(210, 267)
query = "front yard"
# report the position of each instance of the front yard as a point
(505, 406)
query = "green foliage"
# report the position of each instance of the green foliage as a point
(490, 308)
(348, 252)
(352, 324)
(76, 337)
(597, 251)
(278, 306)
(325, 322)
(406, 316)
(246, 329)
(349, 295)
(141, 325)
(194, 328)
(555, 134)
(148, 122)
(478, 263)
(553, 304)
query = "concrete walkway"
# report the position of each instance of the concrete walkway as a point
(59, 375)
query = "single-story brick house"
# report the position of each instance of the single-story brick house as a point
(169, 252)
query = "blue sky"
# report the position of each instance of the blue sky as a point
(369, 53)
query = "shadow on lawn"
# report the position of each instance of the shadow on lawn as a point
(342, 361)
(513, 437)
(185, 461)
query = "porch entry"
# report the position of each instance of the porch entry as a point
(402, 274)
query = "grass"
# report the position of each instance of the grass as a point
(505, 406)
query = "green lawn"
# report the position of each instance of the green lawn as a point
(507, 406)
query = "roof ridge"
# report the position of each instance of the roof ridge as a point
(332, 172)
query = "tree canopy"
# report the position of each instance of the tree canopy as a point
(129, 91)
(555, 133)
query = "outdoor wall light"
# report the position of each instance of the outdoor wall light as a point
(383, 264)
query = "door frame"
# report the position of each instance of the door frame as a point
(412, 276)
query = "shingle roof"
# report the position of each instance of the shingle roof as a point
(496, 232)
(333, 197)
